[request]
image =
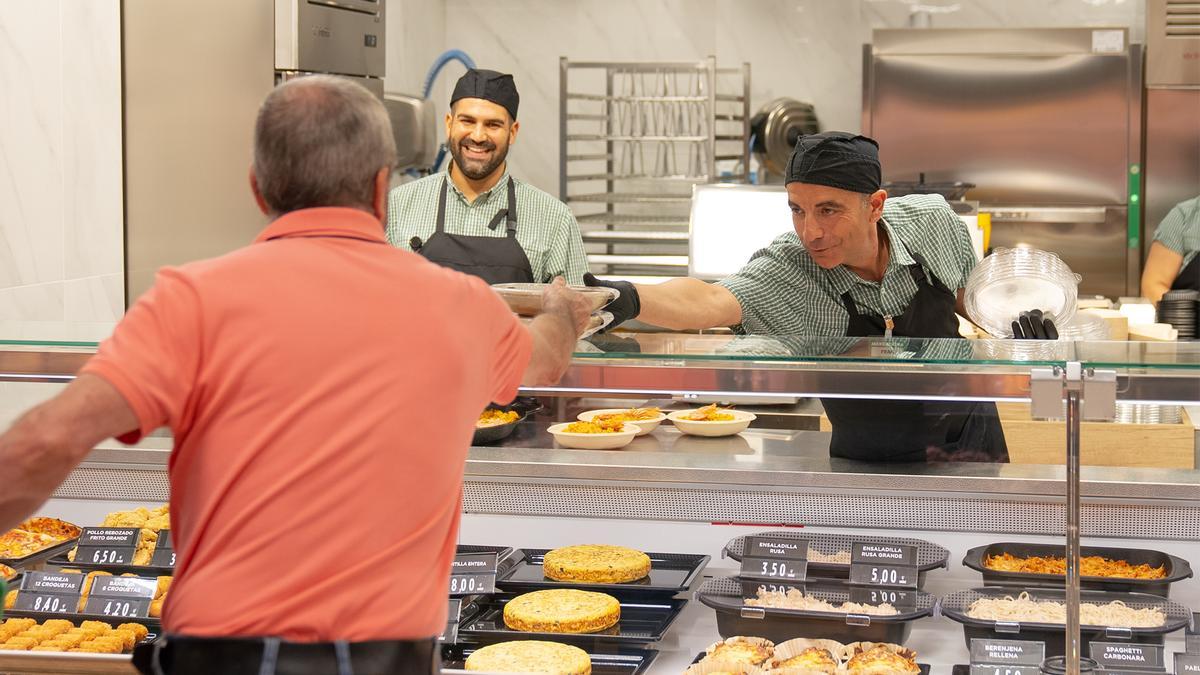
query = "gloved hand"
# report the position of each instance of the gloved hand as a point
(1033, 325)
(624, 308)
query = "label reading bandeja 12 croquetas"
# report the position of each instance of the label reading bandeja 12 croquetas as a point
(52, 592)
(774, 558)
(107, 545)
(473, 573)
(879, 564)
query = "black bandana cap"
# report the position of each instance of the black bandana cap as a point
(836, 159)
(488, 85)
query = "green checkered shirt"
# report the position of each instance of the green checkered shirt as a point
(783, 291)
(1180, 230)
(546, 228)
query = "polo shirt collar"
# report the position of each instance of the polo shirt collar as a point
(325, 221)
(840, 279)
(484, 196)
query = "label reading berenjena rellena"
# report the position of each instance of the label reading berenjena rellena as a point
(124, 587)
(110, 537)
(121, 608)
(1007, 652)
(1187, 663)
(881, 564)
(1112, 655)
(62, 583)
(993, 669)
(473, 573)
(773, 558)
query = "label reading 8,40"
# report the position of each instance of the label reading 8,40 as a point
(53, 603)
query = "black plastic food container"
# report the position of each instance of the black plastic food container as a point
(670, 573)
(1177, 569)
(725, 595)
(956, 605)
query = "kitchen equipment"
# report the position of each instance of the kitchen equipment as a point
(670, 573)
(775, 128)
(734, 617)
(955, 607)
(952, 190)
(1148, 413)
(1011, 281)
(1177, 569)
(989, 106)
(635, 137)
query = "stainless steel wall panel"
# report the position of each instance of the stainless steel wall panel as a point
(1172, 152)
(1100, 260)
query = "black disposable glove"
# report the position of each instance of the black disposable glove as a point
(624, 308)
(1032, 325)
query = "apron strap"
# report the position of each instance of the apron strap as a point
(440, 227)
(509, 213)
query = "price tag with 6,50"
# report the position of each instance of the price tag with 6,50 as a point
(107, 545)
(874, 564)
(473, 573)
(774, 559)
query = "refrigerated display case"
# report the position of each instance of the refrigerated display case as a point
(671, 493)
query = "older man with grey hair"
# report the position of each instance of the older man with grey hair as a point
(322, 388)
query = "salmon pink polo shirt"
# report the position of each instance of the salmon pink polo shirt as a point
(322, 388)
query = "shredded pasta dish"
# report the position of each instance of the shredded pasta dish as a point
(1089, 566)
(794, 599)
(1025, 609)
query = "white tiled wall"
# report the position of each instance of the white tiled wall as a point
(805, 49)
(61, 232)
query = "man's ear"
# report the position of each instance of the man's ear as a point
(877, 199)
(258, 198)
(383, 180)
(512, 132)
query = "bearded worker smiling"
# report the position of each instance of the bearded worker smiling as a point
(475, 217)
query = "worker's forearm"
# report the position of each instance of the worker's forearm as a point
(688, 304)
(1154, 289)
(553, 343)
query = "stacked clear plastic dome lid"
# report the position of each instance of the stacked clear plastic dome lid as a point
(1015, 280)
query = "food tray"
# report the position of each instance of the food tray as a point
(609, 661)
(734, 618)
(929, 555)
(500, 431)
(642, 622)
(42, 555)
(66, 663)
(925, 667)
(153, 624)
(670, 573)
(1177, 569)
(954, 606)
(526, 299)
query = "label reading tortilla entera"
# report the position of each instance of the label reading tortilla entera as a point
(473, 573)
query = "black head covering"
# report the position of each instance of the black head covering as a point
(488, 85)
(836, 159)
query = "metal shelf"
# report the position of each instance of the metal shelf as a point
(628, 237)
(629, 197)
(639, 260)
(638, 139)
(619, 219)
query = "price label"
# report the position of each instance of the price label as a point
(117, 607)
(473, 573)
(124, 587)
(883, 565)
(110, 537)
(163, 558)
(989, 669)
(1007, 653)
(97, 555)
(453, 616)
(1187, 663)
(770, 558)
(1111, 655)
(900, 599)
(53, 582)
(30, 601)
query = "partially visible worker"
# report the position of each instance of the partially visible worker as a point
(1172, 263)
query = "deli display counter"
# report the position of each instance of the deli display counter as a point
(683, 497)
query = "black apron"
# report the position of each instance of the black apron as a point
(496, 260)
(914, 431)
(1189, 277)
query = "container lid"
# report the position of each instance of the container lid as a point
(727, 594)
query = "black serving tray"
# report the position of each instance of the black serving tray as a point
(725, 595)
(153, 624)
(606, 661)
(930, 556)
(1177, 569)
(40, 556)
(642, 622)
(955, 606)
(700, 657)
(60, 560)
(670, 573)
